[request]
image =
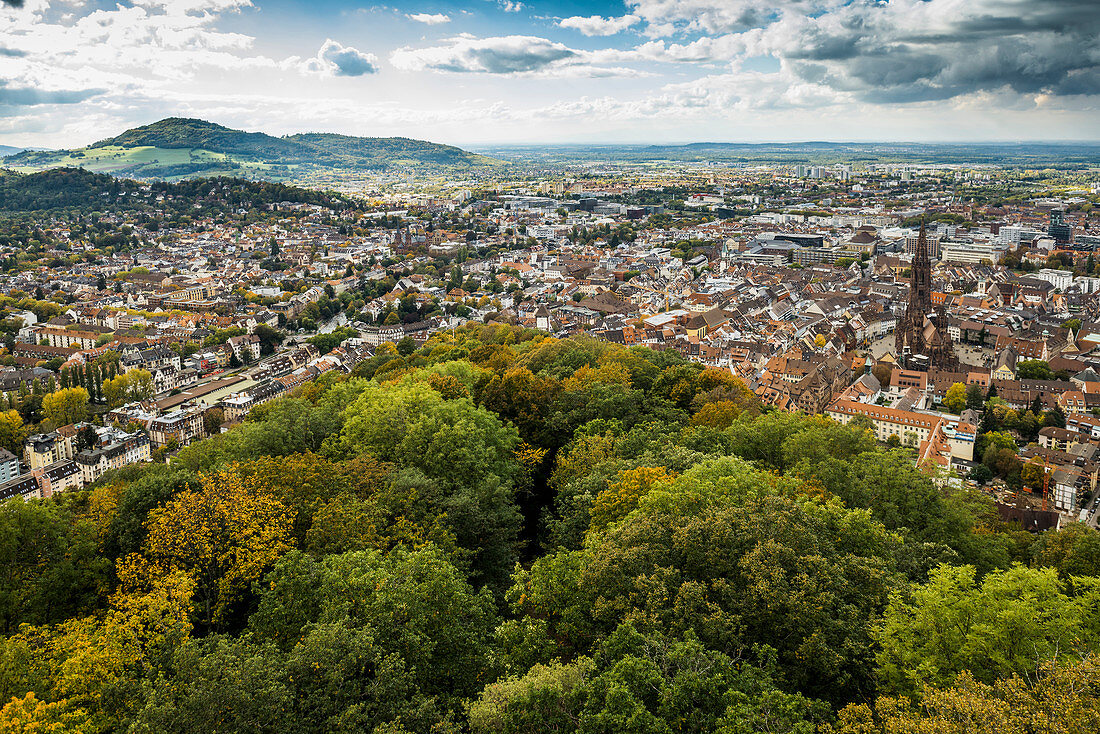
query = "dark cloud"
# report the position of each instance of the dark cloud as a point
(12, 3)
(936, 50)
(28, 96)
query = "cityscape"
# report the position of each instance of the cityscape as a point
(463, 424)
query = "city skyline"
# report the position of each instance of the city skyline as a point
(501, 72)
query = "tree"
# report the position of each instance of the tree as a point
(66, 407)
(639, 682)
(956, 398)
(465, 448)
(224, 536)
(270, 338)
(416, 602)
(1033, 369)
(974, 397)
(133, 386)
(49, 567)
(723, 554)
(1008, 624)
(12, 432)
(1060, 698)
(86, 438)
(212, 421)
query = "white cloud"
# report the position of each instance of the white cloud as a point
(429, 18)
(334, 59)
(497, 55)
(514, 55)
(597, 25)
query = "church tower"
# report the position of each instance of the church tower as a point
(918, 342)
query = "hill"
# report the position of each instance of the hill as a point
(77, 189)
(371, 152)
(179, 132)
(176, 148)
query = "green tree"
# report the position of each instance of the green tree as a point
(974, 397)
(1009, 623)
(465, 448)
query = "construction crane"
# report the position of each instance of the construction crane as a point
(1048, 470)
(650, 289)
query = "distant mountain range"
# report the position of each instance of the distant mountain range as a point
(177, 147)
(1054, 154)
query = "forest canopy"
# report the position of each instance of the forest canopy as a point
(500, 531)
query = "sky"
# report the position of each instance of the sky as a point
(486, 72)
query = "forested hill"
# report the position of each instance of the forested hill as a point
(180, 132)
(381, 152)
(503, 532)
(81, 190)
(179, 147)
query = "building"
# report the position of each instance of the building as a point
(972, 252)
(122, 451)
(44, 449)
(9, 466)
(1058, 228)
(180, 426)
(919, 342)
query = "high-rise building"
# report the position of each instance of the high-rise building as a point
(1058, 228)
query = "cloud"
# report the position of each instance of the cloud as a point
(496, 55)
(31, 96)
(333, 59)
(516, 56)
(596, 25)
(895, 52)
(429, 18)
(511, 6)
(921, 50)
(13, 3)
(668, 17)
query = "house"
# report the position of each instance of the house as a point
(180, 427)
(9, 466)
(45, 449)
(121, 451)
(245, 348)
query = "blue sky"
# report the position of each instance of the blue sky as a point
(531, 71)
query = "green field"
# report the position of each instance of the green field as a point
(147, 161)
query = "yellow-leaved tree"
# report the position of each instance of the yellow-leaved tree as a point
(223, 536)
(84, 675)
(66, 406)
(1059, 699)
(622, 496)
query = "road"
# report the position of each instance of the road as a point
(340, 319)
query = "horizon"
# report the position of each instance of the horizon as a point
(518, 144)
(480, 73)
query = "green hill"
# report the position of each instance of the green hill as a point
(176, 148)
(179, 132)
(375, 152)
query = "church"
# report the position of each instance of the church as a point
(921, 339)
